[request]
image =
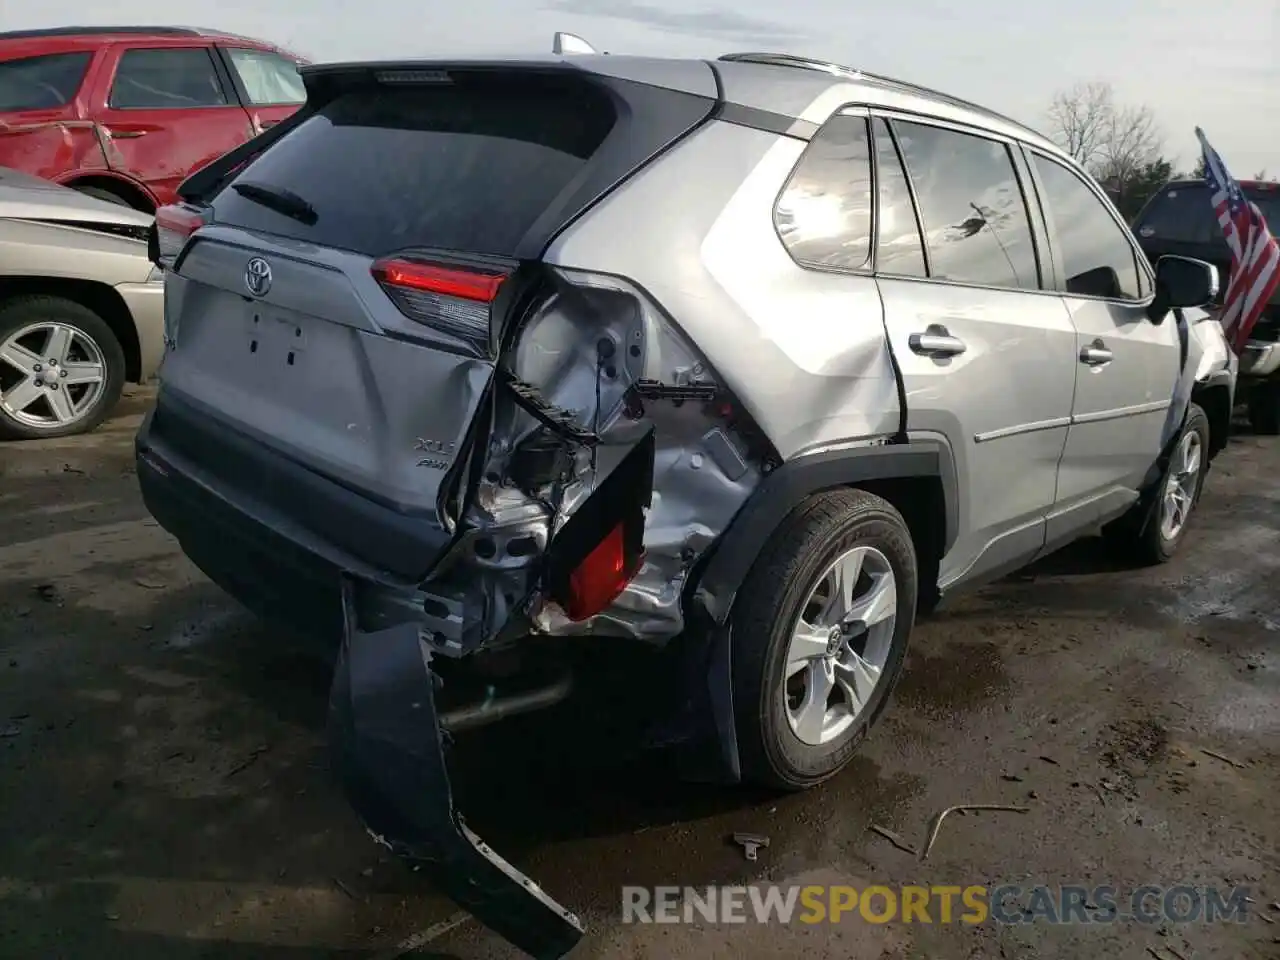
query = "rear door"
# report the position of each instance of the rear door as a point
(43, 127)
(1127, 367)
(168, 111)
(267, 83)
(986, 354)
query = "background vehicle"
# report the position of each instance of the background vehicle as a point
(1180, 220)
(81, 307)
(126, 113)
(469, 357)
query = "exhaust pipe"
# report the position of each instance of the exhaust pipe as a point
(495, 708)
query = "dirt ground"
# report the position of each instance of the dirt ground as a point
(164, 791)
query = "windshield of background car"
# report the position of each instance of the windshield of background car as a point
(1184, 214)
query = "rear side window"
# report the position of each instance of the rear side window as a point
(167, 79)
(824, 213)
(1097, 256)
(1182, 214)
(899, 246)
(469, 166)
(975, 221)
(41, 83)
(268, 78)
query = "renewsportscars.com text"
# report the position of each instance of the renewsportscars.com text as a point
(975, 904)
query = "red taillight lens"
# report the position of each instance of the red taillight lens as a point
(174, 225)
(452, 298)
(601, 577)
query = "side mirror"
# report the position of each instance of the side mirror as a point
(1182, 282)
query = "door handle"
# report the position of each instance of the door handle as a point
(1096, 354)
(125, 134)
(936, 342)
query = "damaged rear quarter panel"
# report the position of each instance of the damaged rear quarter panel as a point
(803, 350)
(689, 269)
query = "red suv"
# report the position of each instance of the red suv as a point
(127, 113)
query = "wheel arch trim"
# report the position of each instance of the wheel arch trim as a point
(793, 482)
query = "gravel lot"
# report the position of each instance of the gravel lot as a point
(165, 791)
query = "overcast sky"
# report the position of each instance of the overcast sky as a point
(1216, 65)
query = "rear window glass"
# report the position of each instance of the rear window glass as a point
(469, 166)
(1185, 214)
(41, 83)
(1268, 202)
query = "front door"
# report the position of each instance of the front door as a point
(986, 355)
(1127, 367)
(168, 112)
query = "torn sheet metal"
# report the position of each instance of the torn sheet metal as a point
(594, 369)
(387, 750)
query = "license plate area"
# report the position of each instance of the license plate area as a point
(274, 337)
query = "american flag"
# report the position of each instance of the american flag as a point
(1255, 255)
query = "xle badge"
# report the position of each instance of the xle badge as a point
(442, 449)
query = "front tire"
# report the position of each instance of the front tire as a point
(819, 632)
(61, 368)
(1176, 497)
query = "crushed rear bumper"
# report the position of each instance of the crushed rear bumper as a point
(388, 751)
(385, 735)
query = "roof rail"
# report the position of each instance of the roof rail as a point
(787, 60)
(97, 31)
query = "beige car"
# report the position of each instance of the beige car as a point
(81, 307)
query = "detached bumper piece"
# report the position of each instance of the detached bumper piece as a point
(387, 750)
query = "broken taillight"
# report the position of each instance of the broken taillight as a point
(452, 298)
(601, 576)
(174, 225)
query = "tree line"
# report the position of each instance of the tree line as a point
(1121, 145)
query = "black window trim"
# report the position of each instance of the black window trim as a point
(219, 70)
(1141, 263)
(867, 267)
(1011, 144)
(911, 196)
(222, 53)
(89, 58)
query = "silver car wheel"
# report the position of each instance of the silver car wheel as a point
(840, 645)
(1180, 486)
(61, 374)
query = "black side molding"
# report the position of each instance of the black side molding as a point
(786, 487)
(765, 120)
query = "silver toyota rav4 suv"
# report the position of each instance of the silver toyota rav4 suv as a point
(744, 361)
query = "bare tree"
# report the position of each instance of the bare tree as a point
(1079, 117)
(1130, 140)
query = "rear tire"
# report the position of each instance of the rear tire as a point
(25, 327)
(1264, 409)
(778, 619)
(101, 193)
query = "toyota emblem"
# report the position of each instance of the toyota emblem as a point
(257, 277)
